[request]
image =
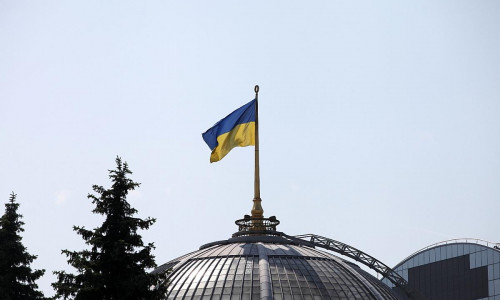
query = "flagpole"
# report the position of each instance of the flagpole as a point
(257, 211)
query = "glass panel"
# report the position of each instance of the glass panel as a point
(454, 250)
(217, 291)
(443, 252)
(173, 286)
(497, 286)
(344, 281)
(496, 271)
(460, 249)
(472, 260)
(432, 254)
(202, 273)
(387, 282)
(426, 257)
(188, 277)
(215, 267)
(414, 262)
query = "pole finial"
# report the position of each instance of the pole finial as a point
(256, 89)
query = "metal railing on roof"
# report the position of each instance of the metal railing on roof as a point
(355, 254)
(363, 258)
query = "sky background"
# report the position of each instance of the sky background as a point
(379, 120)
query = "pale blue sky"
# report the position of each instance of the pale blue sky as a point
(379, 119)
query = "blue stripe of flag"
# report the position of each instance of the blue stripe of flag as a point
(242, 115)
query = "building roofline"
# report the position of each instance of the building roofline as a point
(474, 241)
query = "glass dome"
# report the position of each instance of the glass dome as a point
(268, 267)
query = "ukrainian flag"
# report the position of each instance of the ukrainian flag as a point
(235, 130)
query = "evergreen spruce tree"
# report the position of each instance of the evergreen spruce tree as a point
(115, 267)
(17, 279)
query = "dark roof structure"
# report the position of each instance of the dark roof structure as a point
(455, 269)
(259, 262)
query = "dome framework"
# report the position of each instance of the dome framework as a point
(259, 262)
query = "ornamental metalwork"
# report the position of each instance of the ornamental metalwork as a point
(257, 226)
